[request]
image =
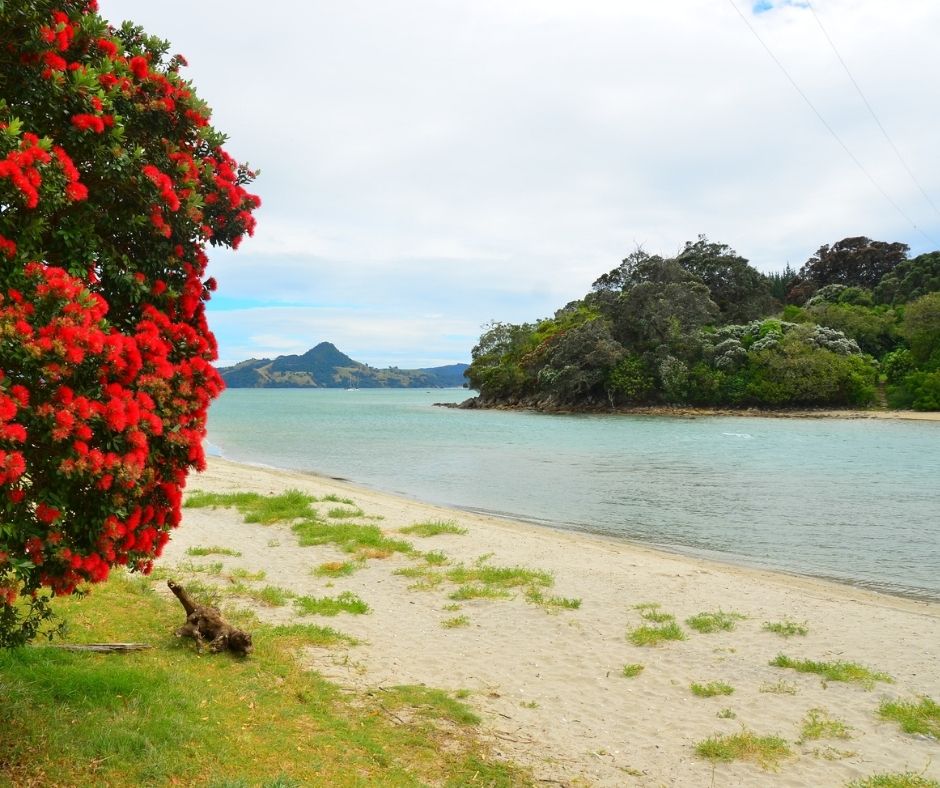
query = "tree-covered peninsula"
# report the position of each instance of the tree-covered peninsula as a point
(858, 325)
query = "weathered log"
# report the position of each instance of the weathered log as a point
(205, 625)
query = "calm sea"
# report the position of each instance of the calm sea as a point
(851, 500)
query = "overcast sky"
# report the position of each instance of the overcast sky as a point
(430, 165)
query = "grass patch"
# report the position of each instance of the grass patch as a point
(499, 576)
(272, 596)
(433, 528)
(719, 621)
(895, 780)
(435, 558)
(632, 670)
(431, 703)
(474, 591)
(833, 671)
(365, 540)
(347, 602)
(922, 717)
(641, 606)
(240, 573)
(710, 690)
(333, 498)
(456, 621)
(337, 568)
(779, 688)
(426, 579)
(817, 724)
(171, 716)
(264, 509)
(726, 714)
(536, 597)
(650, 635)
(786, 628)
(766, 751)
(201, 551)
(339, 513)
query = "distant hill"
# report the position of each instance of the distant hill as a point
(324, 366)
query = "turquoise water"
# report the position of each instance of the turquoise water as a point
(852, 500)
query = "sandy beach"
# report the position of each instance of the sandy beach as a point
(549, 681)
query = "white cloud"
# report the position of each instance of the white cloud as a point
(490, 159)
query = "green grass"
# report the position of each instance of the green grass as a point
(475, 591)
(766, 751)
(339, 513)
(272, 596)
(921, 717)
(433, 528)
(365, 540)
(833, 671)
(347, 602)
(786, 628)
(657, 616)
(426, 579)
(333, 498)
(172, 716)
(726, 714)
(817, 724)
(264, 509)
(200, 551)
(536, 597)
(499, 576)
(710, 690)
(649, 635)
(456, 621)
(240, 573)
(435, 558)
(337, 568)
(895, 780)
(632, 670)
(431, 703)
(719, 621)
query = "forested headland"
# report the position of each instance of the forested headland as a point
(858, 325)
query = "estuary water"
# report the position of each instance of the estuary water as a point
(850, 500)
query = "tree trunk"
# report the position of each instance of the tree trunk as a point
(206, 626)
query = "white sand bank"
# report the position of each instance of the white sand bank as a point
(549, 685)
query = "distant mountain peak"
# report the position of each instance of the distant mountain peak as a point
(325, 366)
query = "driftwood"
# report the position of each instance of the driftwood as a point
(207, 627)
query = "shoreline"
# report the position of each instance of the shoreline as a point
(691, 412)
(682, 551)
(549, 682)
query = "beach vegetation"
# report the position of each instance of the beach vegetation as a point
(455, 622)
(166, 715)
(895, 780)
(726, 714)
(499, 576)
(256, 508)
(341, 513)
(240, 573)
(337, 568)
(719, 621)
(435, 558)
(766, 751)
(536, 597)
(711, 689)
(453, 607)
(347, 602)
(920, 717)
(655, 635)
(779, 687)
(214, 568)
(365, 540)
(786, 628)
(426, 578)
(818, 724)
(657, 616)
(433, 528)
(477, 591)
(642, 606)
(203, 551)
(632, 670)
(334, 498)
(833, 671)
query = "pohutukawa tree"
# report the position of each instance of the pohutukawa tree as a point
(112, 183)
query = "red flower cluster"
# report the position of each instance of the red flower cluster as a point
(105, 354)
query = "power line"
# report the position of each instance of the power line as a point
(829, 128)
(871, 110)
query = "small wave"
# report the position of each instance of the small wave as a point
(211, 449)
(739, 435)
